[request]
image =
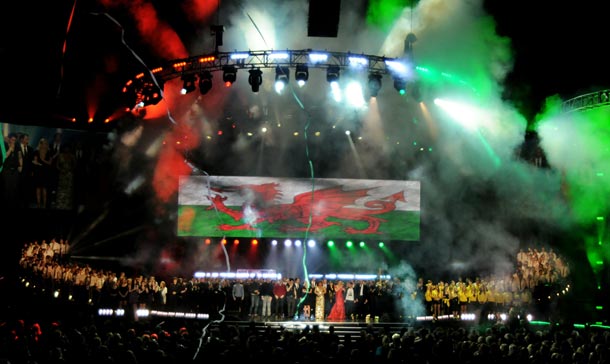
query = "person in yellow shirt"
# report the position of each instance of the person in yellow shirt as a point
(462, 298)
(428, 298)
(436, 301)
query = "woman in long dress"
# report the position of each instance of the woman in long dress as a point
(319, 291)
(337, 311)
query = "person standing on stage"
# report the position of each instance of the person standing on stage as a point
(337, 311)
(361, 300)
(350, 301)
(320, 293)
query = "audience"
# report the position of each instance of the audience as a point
(72, 332)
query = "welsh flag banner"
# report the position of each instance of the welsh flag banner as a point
(325, 208)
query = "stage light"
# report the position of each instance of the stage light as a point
(301, 74)
(400, 84)
(151, 95)
(205, 82)
(374, 84)
(282, 75)
(332, 74)
(229, 75)
(255, 79)
(188, 84)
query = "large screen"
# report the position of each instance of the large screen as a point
(322, 208)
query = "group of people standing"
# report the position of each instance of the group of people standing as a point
(40, 175)
(319, 299)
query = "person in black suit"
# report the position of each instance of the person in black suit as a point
(26, 189)
(361, 300)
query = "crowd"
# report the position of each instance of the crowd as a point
(112, 341)
(82, 336)
(48, 266)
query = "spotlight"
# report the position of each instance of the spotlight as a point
(229, 75)
(205, 82)
(282, 76)
(374, 84)
(188, 84)
(255, 79)
(301, 74)
(400, 84)
(332, 74)
(151, 94)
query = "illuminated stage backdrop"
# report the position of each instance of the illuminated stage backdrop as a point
(265, 207)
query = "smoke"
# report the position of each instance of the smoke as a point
(479, 199)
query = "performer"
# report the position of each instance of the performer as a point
(337, 311)
(319, 291)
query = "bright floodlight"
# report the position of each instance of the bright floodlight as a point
(318, 57)
(279, 55)
(332, 74)
(301, 74)
(336, 91)
(354, 94)
(229, 75)
(464, 114)
(282, 76)
(358, 62)
(188, 84)
(398, 68)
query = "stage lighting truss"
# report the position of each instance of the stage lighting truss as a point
(302, 61)
(255, 79)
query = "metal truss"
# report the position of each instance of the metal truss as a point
(143, 88)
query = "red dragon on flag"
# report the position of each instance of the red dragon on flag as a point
(308, 211)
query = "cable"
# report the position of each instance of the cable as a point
(135, 55)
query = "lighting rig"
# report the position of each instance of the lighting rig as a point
(146, 88)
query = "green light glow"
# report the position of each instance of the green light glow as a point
(540, 323)
(349, 244)
(599, 308)
(330, 243)
(384, 13)
(362, 244)
(381, 244)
